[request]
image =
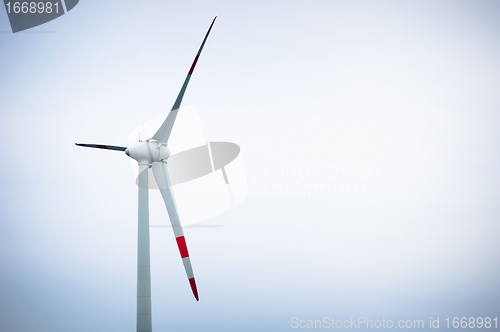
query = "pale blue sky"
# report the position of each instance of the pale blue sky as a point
(398, 100)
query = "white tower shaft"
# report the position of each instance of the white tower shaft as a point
(143, 257)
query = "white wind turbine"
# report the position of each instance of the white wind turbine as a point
(153, 153)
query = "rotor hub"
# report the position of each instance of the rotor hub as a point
(148, 151)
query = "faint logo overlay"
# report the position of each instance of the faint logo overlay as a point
(208, 178)
(311, 179)
(24, 15)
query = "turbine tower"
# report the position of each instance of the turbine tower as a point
(153, 153)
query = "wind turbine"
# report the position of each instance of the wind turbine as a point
(153, 153)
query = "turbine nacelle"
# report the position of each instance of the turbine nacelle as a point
(148, 151)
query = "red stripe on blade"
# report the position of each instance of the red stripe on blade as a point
(194, 64)
(193, 288)
(181, 243)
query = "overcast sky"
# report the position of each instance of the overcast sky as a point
(368, 129)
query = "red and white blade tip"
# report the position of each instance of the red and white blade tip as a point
(192, 283)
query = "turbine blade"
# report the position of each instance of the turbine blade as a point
(163, 133)
(162, 179)
(144, 322)
(101, 146)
